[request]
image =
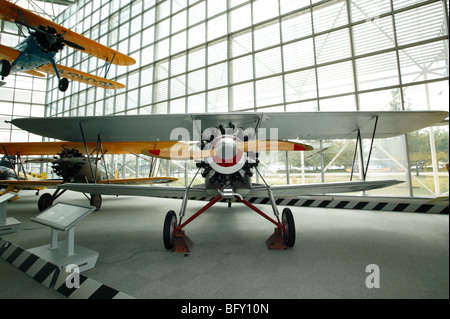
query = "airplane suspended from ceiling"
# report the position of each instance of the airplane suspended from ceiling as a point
(226, 148)
(36, 54)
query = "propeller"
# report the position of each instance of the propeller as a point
(48, 38)
(180, 151)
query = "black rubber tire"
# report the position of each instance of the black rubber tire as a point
(288, 222)
(168, 235)
(63, 84)
(45, 201)
(96, 200)
(5, 68)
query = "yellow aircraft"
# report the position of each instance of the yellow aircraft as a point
(70, 165)
(36, 54)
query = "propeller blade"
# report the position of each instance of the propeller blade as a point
(179, 154)
(73, 45)
(273, 145)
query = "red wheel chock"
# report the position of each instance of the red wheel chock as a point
(182, 244)
(276, 240)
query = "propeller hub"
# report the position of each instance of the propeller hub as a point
(228, 157)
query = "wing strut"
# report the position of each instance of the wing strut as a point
(107, 65)
(87, 152)
(371, 146)
(13, 165)
(358, 146)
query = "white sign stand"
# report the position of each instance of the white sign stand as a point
(7, 224)
(64, 217)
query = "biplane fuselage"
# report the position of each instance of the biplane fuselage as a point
(31, 57)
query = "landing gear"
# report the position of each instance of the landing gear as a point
(63, 84)
(45, 201)
(289, 227)
(175, 240)
(96, 200)
(5, 68)
(170, 224)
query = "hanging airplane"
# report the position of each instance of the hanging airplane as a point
(36, 54)
(226, 154)
(69, 164)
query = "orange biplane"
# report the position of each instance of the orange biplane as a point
(36, 54)
(70, 165)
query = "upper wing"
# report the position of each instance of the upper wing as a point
(82, 77)
(291, 191)
(131, 190)
(290, 125)
(52, 148)
(10, 11)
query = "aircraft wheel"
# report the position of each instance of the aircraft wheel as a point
(5, 68)
(96, 200)
(288, 222)
(45, 201)
(63, 84)
(169, 224)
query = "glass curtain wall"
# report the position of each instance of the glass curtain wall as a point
(274, 55)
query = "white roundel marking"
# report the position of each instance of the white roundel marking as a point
(228, 158)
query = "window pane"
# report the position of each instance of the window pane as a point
(298, 55)
(241, 43)
(242, 97)
(242, 69)
(269, 91)
(333, 46)
(268, 62)
(218, 100)
(267, 35)
(240, 18)
(424, 62)
(217, 75)
(264, 10)
(335, 79)
(420, 24)
(369, 9)
(300, 85)
(380, 32)
(331, 14)
(296, 26)
(377, 71)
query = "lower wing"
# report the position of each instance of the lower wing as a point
(292, 191)
(8, 53)
(200, 193)
(11, 54)
(31, 184)
(139, 181)
(135, 190)
(82, 77)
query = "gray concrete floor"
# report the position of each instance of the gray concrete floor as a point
(230, 259)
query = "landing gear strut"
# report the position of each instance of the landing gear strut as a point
(175, 239)
(46, 200)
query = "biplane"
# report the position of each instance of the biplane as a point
(36, 54)
(69, 164)
(225, 150)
